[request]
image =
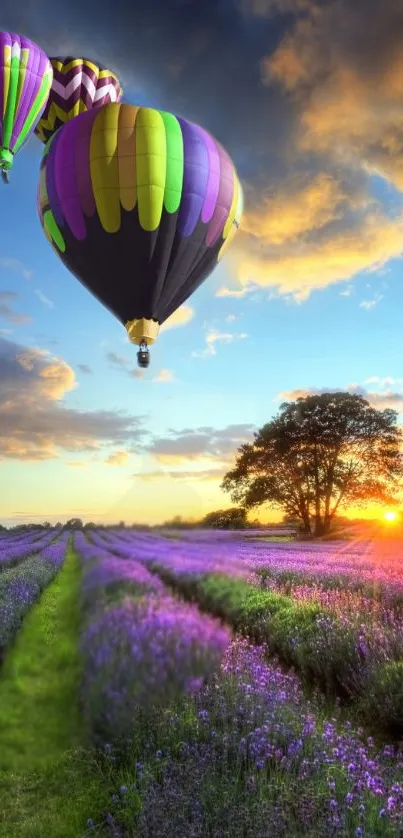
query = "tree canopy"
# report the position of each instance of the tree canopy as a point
(224, 519)
(319, 454)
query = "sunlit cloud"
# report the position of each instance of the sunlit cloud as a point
(76, 463)
(207, 445)
(164, 376)
(181, 317)
(118, 458)
(35, 424)
(209, 474)
(301, 205)
(232, 292)
(319, 263)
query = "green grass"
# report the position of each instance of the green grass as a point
(48, 783)
(273, 538)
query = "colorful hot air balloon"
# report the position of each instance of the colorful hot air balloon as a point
(25, 81)
(79, 85)
(140, 205)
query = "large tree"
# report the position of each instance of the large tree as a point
(320, 453)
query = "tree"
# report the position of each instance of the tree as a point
(317, 455)
(226, 519)
(74, 524)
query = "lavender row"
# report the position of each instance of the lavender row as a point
(257, 756)
(374, 567)
(245, 751)
(149, 648)
(353, 653)
(14, 550)
(21, 586)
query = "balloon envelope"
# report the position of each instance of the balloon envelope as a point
(139, 204)
(25, 81)
(79, 85)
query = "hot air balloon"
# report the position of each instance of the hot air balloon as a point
(139, 205)
(79, 84)
(25, 81)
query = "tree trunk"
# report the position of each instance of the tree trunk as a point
(318, 517)
(306, 526)
(319, 526)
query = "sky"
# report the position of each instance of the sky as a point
(306, 97)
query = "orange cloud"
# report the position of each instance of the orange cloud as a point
(34, 424)
(318, 263)
(341, 68)
(348, 96)
(164, 376)
(299, 208)
(181, 317)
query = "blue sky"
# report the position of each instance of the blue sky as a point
(312, 293)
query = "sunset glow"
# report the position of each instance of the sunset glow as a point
(390, 516)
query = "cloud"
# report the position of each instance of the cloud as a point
(85, 369)
(34, 423)
(119, 458)
(370, 304)
(43, 298)
(229, 292)
(8, 312)
(213, 337)
(315, 264)
(14, 265)
(118, 362)
(270, 8)
(347, 85)
(164, 376)
(213, 474)
(385, 399)
(347, 292)
(297, 208)
(181, 317)
(76, 463)
(204, 443)
(307, 100)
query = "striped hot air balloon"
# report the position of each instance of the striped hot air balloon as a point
(25, 81)
(79, 85)
(140, 205)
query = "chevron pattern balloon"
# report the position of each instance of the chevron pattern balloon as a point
(79, 85)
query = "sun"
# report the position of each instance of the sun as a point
(390, 517)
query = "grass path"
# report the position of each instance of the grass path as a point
(48, 786)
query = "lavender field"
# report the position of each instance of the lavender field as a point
(224, 686)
